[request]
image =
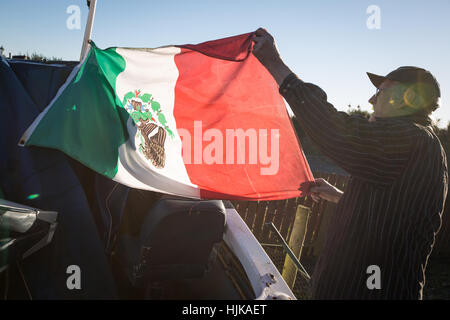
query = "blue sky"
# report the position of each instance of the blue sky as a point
(324, 42)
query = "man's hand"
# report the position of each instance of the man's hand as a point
(324, 190)
(266, 52)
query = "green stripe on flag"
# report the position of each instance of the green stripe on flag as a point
(87, 121)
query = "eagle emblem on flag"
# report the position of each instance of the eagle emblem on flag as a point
(148, 117)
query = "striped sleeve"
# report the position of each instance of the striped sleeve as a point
(375, 152)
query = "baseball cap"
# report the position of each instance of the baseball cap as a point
(410, 76)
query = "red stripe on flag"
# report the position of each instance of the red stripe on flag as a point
(236, 48)
(214, 97)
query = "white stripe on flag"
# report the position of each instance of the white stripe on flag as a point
(153, 71)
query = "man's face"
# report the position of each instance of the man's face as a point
(383, 101)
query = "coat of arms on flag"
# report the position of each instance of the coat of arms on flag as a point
(147, 115)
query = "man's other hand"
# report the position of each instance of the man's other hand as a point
(265, 49)
(266, 52)
(322, 189)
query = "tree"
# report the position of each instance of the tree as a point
(40, 57)
(358, 111)
(444, 136)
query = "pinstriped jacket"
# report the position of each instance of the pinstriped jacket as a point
(392, 206)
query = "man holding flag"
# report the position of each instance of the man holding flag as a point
(389, 215)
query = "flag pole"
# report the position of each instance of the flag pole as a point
(87, 32)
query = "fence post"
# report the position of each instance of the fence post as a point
(296, 241)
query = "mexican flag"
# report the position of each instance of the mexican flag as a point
(197, 121)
